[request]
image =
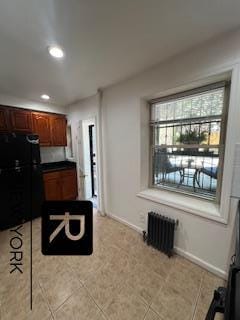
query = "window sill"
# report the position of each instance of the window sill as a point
(199, 207)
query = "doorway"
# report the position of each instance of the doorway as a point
(92, 147)
(88, 161)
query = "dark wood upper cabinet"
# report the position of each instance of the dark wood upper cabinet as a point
(51, 128)
(41, 126)
(20, 120)
(4, 119)
(58, 130)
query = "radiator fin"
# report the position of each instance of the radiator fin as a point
(160, 233)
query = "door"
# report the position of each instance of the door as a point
(21, 120)
(86, 159)
(3, 119)
(41, 126)
(59, 134)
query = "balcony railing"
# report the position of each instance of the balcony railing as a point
(187, 168)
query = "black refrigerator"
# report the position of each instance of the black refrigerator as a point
(21, 181)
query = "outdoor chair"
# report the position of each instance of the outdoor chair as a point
(163, 166)
(210, 171)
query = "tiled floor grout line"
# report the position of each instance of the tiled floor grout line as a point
(91, 297)
(126, 252)
(121, 285)
(198, 296)
(45, 298)
(149, 305)
(146, 312)
(70, 296)
(119, 289)
(152, 300)
(83, 286)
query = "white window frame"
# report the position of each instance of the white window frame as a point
(182, 94)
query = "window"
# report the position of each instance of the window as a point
(188, 133)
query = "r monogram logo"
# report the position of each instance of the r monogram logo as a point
(67, 228)
(65, 224)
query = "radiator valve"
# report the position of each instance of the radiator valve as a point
(144, 236)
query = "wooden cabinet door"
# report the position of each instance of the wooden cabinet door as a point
(41, 126)
(52, 186)
(58, 130)
(21, 120)
(3, 119)
(69, 184)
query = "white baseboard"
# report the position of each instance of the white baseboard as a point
(130, 225)
(205, 265)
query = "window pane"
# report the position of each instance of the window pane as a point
(209, 103)
(192, 171)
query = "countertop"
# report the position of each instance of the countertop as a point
(56, 166)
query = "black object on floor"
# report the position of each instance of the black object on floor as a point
(160, 233)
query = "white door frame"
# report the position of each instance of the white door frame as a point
(86, 157)
(80, 169)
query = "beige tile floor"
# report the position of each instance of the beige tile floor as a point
(123, 280)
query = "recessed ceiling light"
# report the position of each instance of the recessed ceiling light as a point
(45, 97)
(56, 52)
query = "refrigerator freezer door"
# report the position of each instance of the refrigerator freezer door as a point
(18, 149)
(21, 182)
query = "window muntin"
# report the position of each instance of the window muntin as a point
(188, 141)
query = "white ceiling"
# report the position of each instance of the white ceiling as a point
(105, 41)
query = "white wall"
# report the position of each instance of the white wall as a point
(206, 242)
(78, 112)
(82, 110)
